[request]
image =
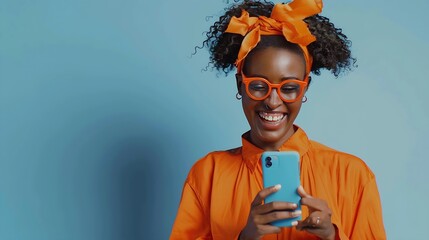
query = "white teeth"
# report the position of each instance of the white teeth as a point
(271, 117)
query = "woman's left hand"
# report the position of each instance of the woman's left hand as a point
(318, 221)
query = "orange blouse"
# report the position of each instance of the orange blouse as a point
(220, 187)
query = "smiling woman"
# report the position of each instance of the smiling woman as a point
(271, 118)
(275, 48)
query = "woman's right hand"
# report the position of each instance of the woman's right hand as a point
(261, 215)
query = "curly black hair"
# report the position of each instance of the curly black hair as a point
(330, 51)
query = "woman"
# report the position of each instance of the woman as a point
(274, 48)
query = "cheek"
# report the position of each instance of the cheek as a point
(249, 105)
(294, 108)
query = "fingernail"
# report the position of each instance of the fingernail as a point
(297, 213)
(277, 187)
(294, 205)
(294, 223)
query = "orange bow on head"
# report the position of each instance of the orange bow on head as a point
(286, 20)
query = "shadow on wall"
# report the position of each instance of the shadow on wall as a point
(137, 175)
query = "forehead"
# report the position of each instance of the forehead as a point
(275, 63)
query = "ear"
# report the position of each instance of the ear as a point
(239, 82)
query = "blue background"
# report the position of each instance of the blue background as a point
(103, 112)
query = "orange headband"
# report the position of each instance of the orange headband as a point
(286, 20)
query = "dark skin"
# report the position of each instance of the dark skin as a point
(277, 65)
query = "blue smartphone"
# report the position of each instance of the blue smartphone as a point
(282, 168)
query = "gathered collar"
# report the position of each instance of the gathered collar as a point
(251, 154)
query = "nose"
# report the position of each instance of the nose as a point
(273, 100)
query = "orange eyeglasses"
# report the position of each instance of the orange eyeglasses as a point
(290, 90)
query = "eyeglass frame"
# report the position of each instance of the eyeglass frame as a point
(302, 84)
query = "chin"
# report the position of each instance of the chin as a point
(270, 138)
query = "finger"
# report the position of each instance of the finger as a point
(316, 204)
(313, 203)
(318, 226)
(275, 216)
(268, 229)
(303, 193)
(313, 221)
(264, 193)
(275, 206)
(302, 224)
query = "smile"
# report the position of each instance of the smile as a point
(272, 117)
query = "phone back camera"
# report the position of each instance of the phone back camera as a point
(268, 162)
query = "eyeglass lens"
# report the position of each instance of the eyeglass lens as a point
(260, 89)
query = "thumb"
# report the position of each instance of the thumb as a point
(303, 193)
(264, 193)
